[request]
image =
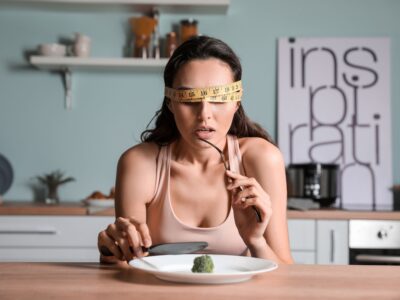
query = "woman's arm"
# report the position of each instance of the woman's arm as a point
(136, 179)
(135, 187)
(264, 162)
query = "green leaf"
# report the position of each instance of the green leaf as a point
(54, 179)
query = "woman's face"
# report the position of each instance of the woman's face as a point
(207, 120)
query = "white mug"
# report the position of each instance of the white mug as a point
(82, 45)
(52, 49)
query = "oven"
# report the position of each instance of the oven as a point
(374, 242)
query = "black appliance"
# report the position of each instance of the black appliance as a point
(6, 175)
(315, 181)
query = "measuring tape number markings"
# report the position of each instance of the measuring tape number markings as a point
(223, 93)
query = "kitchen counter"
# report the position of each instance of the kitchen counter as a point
(76, 208)
(93, 281)
(338, 214)
(62, 209)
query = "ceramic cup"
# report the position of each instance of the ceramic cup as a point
(82, 45)
(52, 49)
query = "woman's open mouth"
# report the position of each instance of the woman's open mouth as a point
(204, 132)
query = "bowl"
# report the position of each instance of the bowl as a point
(52, 50)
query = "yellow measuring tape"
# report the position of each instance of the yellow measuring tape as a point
(223, 93)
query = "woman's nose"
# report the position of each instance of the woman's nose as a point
(204, 110)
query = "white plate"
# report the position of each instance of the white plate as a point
(227, 268)
(100, 202)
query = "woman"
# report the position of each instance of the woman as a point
(173, 187)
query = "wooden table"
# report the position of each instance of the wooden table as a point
(94, 281)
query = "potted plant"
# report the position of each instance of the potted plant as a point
(52, 181)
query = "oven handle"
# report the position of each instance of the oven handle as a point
(377, 258)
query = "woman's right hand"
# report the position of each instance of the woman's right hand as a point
(124, 240)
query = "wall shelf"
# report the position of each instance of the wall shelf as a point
(66, 65)
(164, 6)
(91, 63)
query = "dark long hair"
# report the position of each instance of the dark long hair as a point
(201, 47)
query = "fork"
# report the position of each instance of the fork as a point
(257, 212)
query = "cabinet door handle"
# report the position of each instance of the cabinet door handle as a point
(332, 252)
(377, 258)
(48, 231)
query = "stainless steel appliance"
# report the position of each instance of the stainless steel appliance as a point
(374, 242)
(315, 181)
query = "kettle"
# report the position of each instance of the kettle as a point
(315, 181)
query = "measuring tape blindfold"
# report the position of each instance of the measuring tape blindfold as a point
(223, 93)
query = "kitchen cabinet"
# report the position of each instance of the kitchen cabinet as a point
(51, 238)
(332, 242)
(74, 238)
(319, 241)
(69, 238)
(302, 235)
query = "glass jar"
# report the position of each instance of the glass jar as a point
(141, 46)
(171, 43)
(188, 29)
(142, 29)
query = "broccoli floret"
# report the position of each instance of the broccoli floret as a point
(203, 264)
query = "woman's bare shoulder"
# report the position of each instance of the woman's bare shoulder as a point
(140, 154)
(136, 177)
(256, 151)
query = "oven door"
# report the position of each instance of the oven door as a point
(374, 257)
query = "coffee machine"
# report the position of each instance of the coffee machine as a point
(315, 181)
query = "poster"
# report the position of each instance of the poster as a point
(334, 107)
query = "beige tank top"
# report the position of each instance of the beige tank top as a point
(164, 225)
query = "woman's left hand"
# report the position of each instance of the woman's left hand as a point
(247, 192)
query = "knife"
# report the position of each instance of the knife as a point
(166, 248)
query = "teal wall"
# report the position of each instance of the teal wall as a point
(111, 109)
